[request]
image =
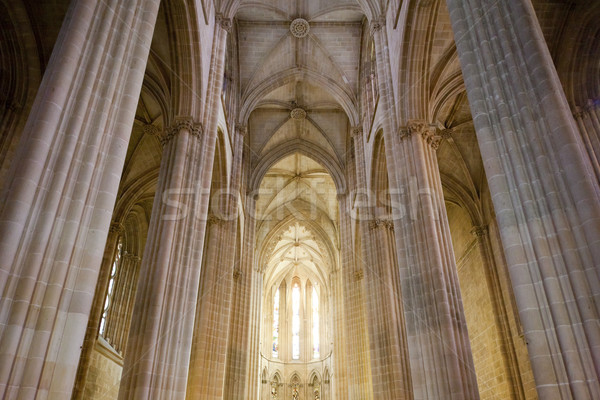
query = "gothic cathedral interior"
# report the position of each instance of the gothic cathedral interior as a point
(299, 199)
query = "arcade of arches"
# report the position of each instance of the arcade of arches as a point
(302, 200)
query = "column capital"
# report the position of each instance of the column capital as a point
(381, 223)
(359, 274)
(224, 22)
(376, 25)
(241, 129)
(151, 130)
(479, 231)
(116, 227)
(182, 123)
(422, 128)
(356, 131)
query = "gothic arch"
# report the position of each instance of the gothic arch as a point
(343, 95)
(308, 149)
(188, 88)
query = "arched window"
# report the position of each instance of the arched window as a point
(111, 287)
(296, 321)
(315, 322)
(276, 324)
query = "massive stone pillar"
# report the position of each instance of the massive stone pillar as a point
(243, 350)
(62, 188)
(158, 350)
(543, 187)
(387, 338)
(158, 353)
(208, 365)
(588, 121)
(439, 348)
(441, 364)
(356, 342)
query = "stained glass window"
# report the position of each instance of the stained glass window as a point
(296, 321)
(315, 323)
(276, 324)
(111, 287)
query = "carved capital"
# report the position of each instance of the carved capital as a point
(381, 223)
(446, 134)
(241, 129)
(151, 130)
(359, 274)
(423, 129)
(237, 274)
(377, 25)
(479, 231)
(224, 22)
(356, 131)
(188, 124)
(116, 227)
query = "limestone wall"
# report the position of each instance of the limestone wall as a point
(104, 374)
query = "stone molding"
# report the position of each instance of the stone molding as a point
(194, 128)
(299, 28)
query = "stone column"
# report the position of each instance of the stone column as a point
(588, 121)
(356, 349)
(543, 187)
(387, 338)
(61, 192)
(208, 365)
(160, 340)
(159, 345)
(439, 348)
(240, 347)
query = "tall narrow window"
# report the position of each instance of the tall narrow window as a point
(276, 324)
(315, 323)
(296, 321)
(111, 287)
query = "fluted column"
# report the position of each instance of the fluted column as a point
(91, 333)
(387, 339)
(545, 193)
(56, 214)
(588, 122)
(440, 353)
(388, 344)
(159, 345)
(356, 350)
(208, 365)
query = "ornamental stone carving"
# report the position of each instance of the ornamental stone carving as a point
(423, 129)
(151, 130)
(298, 113)
(195, 129)
(299, 28)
